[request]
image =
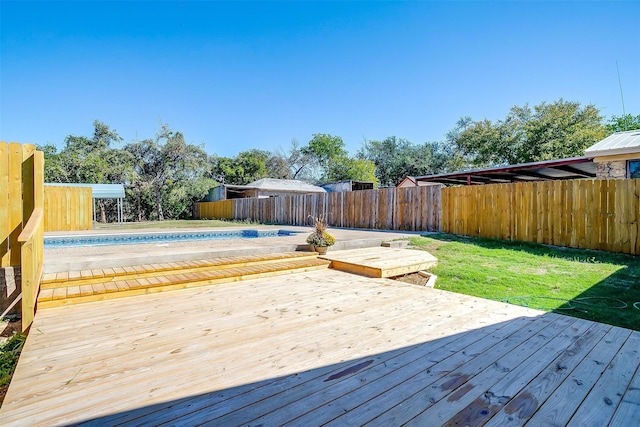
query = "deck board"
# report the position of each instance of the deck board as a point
(380, 261)
(318, 347)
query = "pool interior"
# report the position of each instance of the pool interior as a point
(160, 237)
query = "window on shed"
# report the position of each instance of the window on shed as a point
(634, 168)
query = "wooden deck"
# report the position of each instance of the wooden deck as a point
(322, 347)
(381, 262)
(75, 287)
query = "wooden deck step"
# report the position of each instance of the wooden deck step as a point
(140, 280)
(87, 277)
(381, 262)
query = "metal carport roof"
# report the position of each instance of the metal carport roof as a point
(98, 191)
(570, 168)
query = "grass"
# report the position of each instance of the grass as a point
(174, 223)
(592, 285)
(9, 354)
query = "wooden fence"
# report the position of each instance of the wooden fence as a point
(416, 209)
(21, 219)
(67, 208)
(586, 213)
(589, 214)
(219, 210)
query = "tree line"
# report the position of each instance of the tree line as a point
(164, 175)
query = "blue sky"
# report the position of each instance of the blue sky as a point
(241, 75)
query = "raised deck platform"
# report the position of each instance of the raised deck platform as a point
(72, 287)
(381, 262)
(321, 347)
(109, 282)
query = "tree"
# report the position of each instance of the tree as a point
(244, 168)
(89, 160)
(92, 160)
(549, 131)
(345, 168)
(623, 123)
(324, 148)
(302, 163)
(277, 167)
(173, 172)
(227, 170)
(396, 158)
(54, 167)
(254, 164)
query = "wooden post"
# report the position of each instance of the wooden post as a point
(5, 218)
(15, 201)
(28, 286)
(28, 183)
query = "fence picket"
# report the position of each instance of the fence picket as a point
(402, 209)
(591, 214)
(67, 208)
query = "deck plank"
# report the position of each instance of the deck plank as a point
(526, 400)
(379, 382)
(601, 403)
(629, 410)
(555, 410)
(381, 262)
(410, 398)
(210, 407)
(304, 348)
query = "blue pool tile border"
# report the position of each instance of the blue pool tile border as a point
(141, 238)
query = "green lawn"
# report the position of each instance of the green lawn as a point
(592, 285)
(174, 223)
(9, 354)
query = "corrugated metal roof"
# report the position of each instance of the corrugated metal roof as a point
(618, 143)
(98, 191)
(570, 168)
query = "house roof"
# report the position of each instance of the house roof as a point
(618, 143)
(98, 191)
(411, 179)
(570, 168)
(284, 185)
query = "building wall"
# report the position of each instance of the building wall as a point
(337, 187)
(614, 167)
(611, 170)
(215, 194)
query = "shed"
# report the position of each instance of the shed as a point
(262, 188)
(617, 156)
(100, 191)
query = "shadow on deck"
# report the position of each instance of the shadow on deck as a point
(549, 371)
(316, 348)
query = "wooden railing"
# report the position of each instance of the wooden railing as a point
(31, 239)
(22, 222)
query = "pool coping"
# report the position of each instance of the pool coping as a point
(83, 257)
